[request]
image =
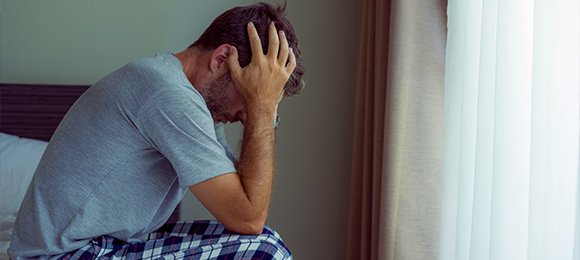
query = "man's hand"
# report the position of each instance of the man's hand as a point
(261, 83)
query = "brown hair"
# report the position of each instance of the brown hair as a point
(230, 27)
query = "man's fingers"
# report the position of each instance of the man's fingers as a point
(283, 55)
(274, 42)
(291, 63)
(233, 63)
(266, 75)
(255, 43)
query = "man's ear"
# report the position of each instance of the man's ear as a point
(219, 58)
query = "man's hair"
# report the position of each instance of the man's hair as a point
(231, 28)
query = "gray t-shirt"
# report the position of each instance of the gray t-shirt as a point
(120, 161)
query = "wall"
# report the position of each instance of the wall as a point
(78, 42)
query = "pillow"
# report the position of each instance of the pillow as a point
(19, 158)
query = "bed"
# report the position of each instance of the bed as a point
(29, 114)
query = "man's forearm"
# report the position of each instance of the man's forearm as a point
(258, 159)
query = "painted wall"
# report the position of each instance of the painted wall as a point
(78, 42)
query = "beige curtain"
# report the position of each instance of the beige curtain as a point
(397, 156)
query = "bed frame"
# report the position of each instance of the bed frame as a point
(34, 111)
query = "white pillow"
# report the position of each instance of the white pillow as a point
(19, 158)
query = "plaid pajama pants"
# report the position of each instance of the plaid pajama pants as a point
(188, 240)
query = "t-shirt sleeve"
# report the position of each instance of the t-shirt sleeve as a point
(177, 123)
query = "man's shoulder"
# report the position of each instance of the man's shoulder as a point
(160, 64)
(141, 81)
(146, 75)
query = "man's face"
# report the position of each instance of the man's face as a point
(224, 101)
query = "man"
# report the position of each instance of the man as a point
(133, 144)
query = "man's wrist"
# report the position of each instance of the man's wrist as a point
(261, 115)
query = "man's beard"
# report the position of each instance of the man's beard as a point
(215, 96)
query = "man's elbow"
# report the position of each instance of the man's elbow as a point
(255, 228)
(251, 227)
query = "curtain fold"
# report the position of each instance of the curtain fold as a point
(396, 175)
(511, 131)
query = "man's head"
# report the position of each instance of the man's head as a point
(223, 100)
(231, 28)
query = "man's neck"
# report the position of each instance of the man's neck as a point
(192, 63)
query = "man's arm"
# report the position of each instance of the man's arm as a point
(240, 201)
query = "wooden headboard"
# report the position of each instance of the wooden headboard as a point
(34, 111)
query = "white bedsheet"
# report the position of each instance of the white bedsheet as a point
(19, 158)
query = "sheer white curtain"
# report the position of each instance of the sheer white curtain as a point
(511, 130)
